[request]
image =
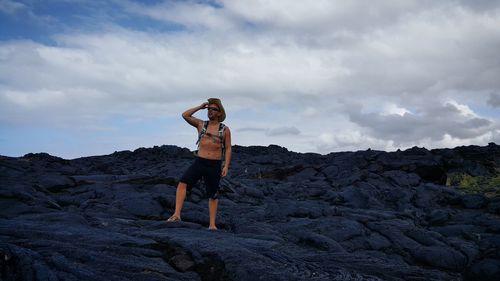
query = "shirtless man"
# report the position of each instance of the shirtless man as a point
(208, 163)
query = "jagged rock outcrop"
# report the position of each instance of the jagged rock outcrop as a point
(366, 215)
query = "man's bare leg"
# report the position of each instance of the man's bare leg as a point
(180, 196)
(212, 210)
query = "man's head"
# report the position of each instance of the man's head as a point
(216, 110)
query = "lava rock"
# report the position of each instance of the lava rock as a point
(365, 215)
(474, 201)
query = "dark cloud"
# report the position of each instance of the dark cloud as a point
(250, 129)
(480, 5)
(434, 123)
(494, 100)
(281, 131)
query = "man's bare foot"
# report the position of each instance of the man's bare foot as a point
(212, 228)
(174, 218)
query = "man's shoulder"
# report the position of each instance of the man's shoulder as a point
(224, 126)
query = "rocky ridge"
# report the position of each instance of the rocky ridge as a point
(365, 215)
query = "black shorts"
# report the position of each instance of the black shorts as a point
(209, 171)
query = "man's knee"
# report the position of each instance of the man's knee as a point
(213, 196)
(182, 185)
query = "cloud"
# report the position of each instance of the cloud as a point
(190, 14)
(250, 130)
(283, 131)
(433, 122)
(495, 136)
(480, 5)
(273, 132)
(318, 17)
(11, 7)
(494, 100)
(323, 75)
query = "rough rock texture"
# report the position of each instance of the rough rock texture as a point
(366, 215)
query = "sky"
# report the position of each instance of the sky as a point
(81, 78)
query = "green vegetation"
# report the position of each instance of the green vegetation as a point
(489, 186)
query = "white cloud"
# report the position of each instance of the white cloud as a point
(391, 108)
(29, 100)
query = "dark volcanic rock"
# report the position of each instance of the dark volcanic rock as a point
(474, 201)
(366, 215)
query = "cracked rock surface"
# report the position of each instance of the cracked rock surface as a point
(366, 215)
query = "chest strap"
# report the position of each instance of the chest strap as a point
(219, 137)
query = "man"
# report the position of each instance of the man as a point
(213, 157)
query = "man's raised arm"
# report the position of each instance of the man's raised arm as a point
(188, 115)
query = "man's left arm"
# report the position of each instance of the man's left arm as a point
(227, 145)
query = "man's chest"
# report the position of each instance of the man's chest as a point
(212, 134)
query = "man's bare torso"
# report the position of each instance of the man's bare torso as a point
(210, 144)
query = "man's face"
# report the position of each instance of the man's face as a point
(213, 112)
